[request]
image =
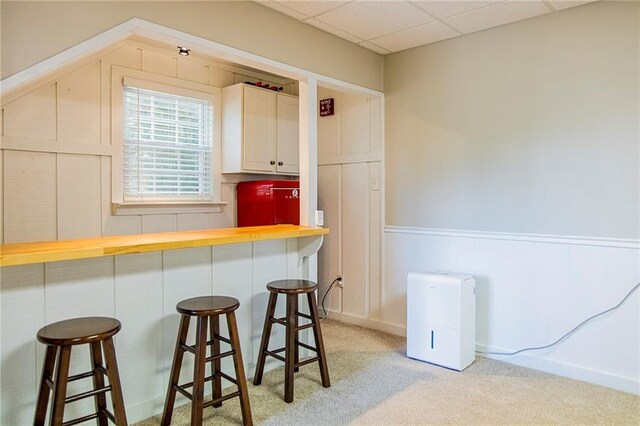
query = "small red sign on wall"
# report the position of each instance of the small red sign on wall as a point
(326, 107)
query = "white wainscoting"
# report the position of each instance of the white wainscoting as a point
(531, 289)
(141, 290)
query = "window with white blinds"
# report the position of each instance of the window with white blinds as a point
(167, 147)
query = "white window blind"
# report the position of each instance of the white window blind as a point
(167, 147)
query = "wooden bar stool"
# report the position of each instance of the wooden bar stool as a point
(60, 337)
(207, 307)
(292, 288)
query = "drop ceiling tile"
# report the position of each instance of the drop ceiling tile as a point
(375, 48)
(371, 19)
(313, 7)
(283, 9)
(496, 15)
(445, 9)
(333, 30)
(417, 36)
(566, 4)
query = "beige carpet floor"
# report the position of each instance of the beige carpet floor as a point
(373, 383)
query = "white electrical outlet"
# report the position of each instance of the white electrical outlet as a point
(341, 283)
(319, 218)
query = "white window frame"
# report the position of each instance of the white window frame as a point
(122, 77)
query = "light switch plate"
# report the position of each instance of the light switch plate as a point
(319, 218)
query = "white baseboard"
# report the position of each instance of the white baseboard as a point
(570, 371)
(563, 369)
(368, 323)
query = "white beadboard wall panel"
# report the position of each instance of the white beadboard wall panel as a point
(193, 221)
(355, 239)
(219, 78)
(233, 276)
(126, 56)
(329, 127)
(269, 264)
(38, 107)
(489, 273)
(73, 117)
(189, 69)
(78, 182)
(72, 290)
(159, 223)
(138, 306)
(78, 109)
(77, 289)
(551, 295)
(159, 63)
(623, 326)
(21, 316)
(1, 193)
(330, 254)
(587, 296)
(530, 293)
(186, 273)
(29, 196)
(355, 124)
(375, 246)
(375, 125)
(519, 312)
(141, 290)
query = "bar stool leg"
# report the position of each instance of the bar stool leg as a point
(98, 383)
(60, 385)
(175, 370)
(239, 367)
(197, 400)
(216, 383)
(266, 334)
(290, 347)
(296, 336)
(114, 380)
(43, 393)
(317, 334)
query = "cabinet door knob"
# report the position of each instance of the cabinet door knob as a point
(280, 163)
(272, 162)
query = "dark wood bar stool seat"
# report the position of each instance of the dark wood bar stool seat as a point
(207, 310)
(60, 337)
(292, 289)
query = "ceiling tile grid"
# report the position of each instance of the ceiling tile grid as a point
(388, 26)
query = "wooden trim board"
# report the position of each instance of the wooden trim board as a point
(52, 251)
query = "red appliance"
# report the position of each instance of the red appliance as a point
(268, 202)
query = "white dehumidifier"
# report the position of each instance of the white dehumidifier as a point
(441, 319)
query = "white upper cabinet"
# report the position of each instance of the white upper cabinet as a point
(288, 147)
(259, 131)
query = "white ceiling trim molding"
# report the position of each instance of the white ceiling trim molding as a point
(142, 28)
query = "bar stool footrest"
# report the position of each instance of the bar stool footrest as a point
(87, 394)
(304, 345)
(222, 355)
(307, 361)
(281, 321)
(303, 315)
(221, 399)
(305, 326)
(274, 354)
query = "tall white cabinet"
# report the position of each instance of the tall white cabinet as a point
(260, 131)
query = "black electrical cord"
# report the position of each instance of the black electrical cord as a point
(326, 314)
(576, 328)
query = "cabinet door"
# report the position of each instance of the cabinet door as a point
(259, 130)
(288, 135)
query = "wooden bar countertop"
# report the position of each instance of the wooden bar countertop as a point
(52, 251)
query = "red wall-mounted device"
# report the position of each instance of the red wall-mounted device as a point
(268, 202)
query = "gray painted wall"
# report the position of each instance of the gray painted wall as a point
(526, 128)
